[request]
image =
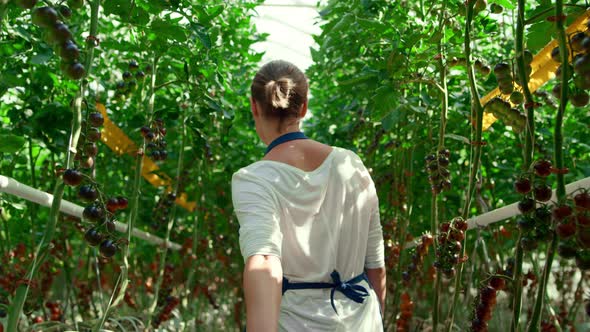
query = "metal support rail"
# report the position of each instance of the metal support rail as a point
(13, 187)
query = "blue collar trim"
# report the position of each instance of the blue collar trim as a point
(285, 138)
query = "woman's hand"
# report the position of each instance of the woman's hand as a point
(263, 282)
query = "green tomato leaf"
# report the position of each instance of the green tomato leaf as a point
(215, 11)
(504, 3)
(202, 34)
(344, 23)
(384, 100)
(391, 119)
(539, 35)
(42, 56)
(168, 30)
(458, 138)
(11, 143)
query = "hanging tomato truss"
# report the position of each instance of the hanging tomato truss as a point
(543, 69)
(120, 143)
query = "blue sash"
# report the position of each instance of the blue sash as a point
(349, 288)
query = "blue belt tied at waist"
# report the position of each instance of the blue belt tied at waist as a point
(349, 288)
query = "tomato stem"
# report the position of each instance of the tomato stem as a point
(403, 222)
(44, 246)
(437, 289)
(517, 284)
(171, 218)
(32, 207)
(441, 144)
(529, 134)
(535, 322)
(476, 109)
(134, 207)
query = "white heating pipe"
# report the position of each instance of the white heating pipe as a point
(509, 211)
(13, 187)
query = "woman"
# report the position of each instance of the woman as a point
(309, 222)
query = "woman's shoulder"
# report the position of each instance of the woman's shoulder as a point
(348, 154)
(251, 171)
(258, 171)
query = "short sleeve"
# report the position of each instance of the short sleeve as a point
(257, 212)
(375, 257)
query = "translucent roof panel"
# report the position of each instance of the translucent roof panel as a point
(290, 25)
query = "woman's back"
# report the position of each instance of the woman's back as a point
(325, 219)
(309, 221)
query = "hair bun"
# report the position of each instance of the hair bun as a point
(279, 92)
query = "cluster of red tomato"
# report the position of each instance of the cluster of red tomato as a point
(154, 135)
(128, 85)
(485, 303)
(448, 253)
(98, 212)
(573, 228)
(165, 312)
(87, 149)
(509, 272)
(54, 310)
(438, 174)
(571, 217)
(407, 309)
(535, 221)
(84, 295)
(418, 257)
(161, 211)
(13, 268)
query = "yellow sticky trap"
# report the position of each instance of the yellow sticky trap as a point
(543, 68)
(120, 143)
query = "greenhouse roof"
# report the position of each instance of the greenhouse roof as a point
(290, 25)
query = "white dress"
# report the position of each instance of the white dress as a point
(315, 222)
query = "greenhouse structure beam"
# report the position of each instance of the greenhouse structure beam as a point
(13, 187)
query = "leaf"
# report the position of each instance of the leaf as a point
(359, 79)
(215, 11)
(371, 24)
(11, 143)
(202, 34)
(458, 138)
(23, 33)
(504, 3)
(169, 30)
(384, 100)
(17, 206)
(11, 78)
(391, 119)
(42, 56)
(117, 7)
(539, 34)
(344, 23)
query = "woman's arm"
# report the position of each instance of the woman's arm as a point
(263, 282)
(377, 279)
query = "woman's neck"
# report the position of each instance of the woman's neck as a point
(271, 136)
